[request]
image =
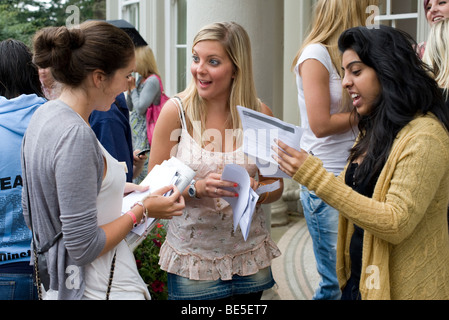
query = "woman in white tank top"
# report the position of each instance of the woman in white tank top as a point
(126, 283)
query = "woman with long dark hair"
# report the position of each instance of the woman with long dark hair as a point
(392, 197)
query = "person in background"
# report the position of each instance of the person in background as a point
(73, 188)
(140, 97)
(393, 195)
(52, 89)
(437, 57)
(20, 96)
(329, 125)
(113, 130)
(435, 10)
(203, 255)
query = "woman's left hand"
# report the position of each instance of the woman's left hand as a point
(131, 187)
(289, 159)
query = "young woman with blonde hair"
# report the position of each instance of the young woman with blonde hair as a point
(141, 96)
(436, 57)
(328, 124)
(437, 54)
(204, 257)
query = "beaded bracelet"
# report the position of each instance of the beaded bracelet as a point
(145, 211)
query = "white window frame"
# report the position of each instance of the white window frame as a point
(124, 12)
(421, 22)
(172, 47)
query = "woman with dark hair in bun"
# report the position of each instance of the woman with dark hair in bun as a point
(73, 188)
(393, 195)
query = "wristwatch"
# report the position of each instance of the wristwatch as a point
(192, 190)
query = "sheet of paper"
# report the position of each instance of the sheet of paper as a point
(239, 175)
(245, 204)
(260, 133)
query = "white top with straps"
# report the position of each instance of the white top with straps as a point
(127, 283)
(202, 244)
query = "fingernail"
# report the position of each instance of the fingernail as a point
(236, 195)
(236, 185)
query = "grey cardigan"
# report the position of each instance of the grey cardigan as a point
(64, 172)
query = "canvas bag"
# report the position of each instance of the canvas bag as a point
(154, 111)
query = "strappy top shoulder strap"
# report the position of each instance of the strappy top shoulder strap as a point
(178, 102)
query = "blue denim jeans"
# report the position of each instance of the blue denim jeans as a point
(17, 287)
(180, 288)
(322, 222)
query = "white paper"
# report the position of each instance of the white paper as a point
(260, 133)
(171, 172)
(244, 205)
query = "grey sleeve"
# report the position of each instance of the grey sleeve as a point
(149, 93)
(26, 214)
(78, 166)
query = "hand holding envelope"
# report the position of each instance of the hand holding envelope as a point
(244, 205)
(171, 172)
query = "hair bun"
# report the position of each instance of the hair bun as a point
(74, 53)
(53, 46)
(76, 38)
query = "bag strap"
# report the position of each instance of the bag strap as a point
(111, 276)
(55, 239)
(160, 82)
(36, 250)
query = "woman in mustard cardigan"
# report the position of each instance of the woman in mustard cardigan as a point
(393, 195)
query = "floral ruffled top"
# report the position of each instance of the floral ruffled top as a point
(202, 244)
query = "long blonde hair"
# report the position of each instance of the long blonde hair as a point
(236, 42)
(331, 18)
(146, 62)
(437, 54)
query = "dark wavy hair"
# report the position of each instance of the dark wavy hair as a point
(407, 90)
(18, 74)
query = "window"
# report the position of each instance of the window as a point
(407, 15)
(181, 45)
(131, 11)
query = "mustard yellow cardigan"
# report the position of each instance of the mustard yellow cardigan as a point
(406, 243)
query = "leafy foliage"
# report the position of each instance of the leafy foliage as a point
(21, 19)
(147, 259)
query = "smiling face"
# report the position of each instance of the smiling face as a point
(361, 81)
(437, 10)
(212, 70)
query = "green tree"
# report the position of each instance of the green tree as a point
(21, 19)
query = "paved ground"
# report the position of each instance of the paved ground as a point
(294, 271)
